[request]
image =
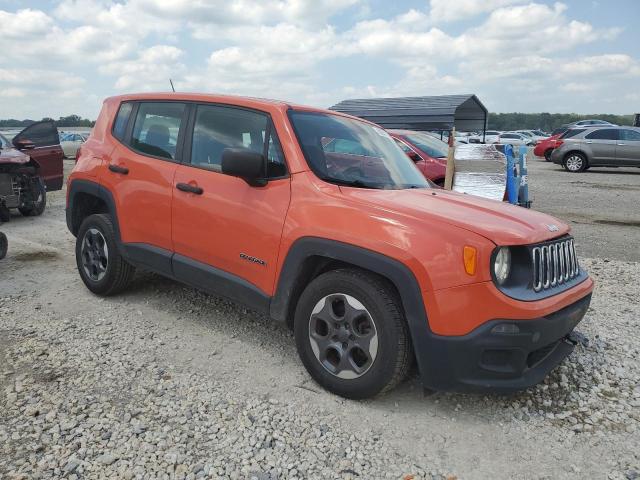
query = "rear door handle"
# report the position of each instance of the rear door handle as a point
(185, 187)
(118, 169)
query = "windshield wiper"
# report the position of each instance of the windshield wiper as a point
(351, 183)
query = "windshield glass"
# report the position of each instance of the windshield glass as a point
(353, 153)
(4, 143)
(428, 144)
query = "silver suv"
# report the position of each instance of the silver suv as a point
(582, 148)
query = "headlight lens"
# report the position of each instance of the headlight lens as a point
(502, 265)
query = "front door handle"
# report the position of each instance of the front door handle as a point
(186, 187)
(118, 169)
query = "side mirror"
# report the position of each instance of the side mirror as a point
(24, 144)
(246, 164)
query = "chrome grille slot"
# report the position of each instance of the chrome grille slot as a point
(554, 264)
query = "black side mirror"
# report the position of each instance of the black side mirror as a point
(246, 164)
(414, 156)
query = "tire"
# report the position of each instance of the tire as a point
(370, 324)
(547, 154)
(102, 269)
(575, 162)
(39, 200)
(4, 245)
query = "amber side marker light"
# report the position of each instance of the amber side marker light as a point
(469, 257)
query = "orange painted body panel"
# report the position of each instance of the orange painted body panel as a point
(228, 219)
(143, 197)
(424, 229)
(459, 310)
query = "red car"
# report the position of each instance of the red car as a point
(428, 153)
(545, 147)
(41, 142)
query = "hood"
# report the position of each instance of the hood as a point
(500, 222)
(14, 156)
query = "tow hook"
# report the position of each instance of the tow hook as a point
(577, 338)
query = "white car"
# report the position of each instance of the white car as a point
(534, 135)
(514, 138)
(71, 142)
(490, 136)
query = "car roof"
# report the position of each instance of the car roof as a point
(248, 102)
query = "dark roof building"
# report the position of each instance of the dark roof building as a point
(437, 113)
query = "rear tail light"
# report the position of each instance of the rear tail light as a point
(558, 143)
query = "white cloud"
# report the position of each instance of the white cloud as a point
(150, 70)
(286, 49)
(452, 10)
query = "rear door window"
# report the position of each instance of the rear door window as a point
(42, 134)
(630, 135)
(603, 134)
(156, 129)
(217, 128)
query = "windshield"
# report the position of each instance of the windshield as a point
(353, 153)
(428, 144)
(4, 143)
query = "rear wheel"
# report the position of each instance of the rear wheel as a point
(351, 334)
(102, 269)
(36, 201)
(547, 154)
(575, 162)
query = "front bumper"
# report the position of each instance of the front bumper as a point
(557, 155)
(483, 360)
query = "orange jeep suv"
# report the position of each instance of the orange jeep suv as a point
(370, 267)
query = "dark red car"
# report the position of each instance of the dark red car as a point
(545, 147)
(428, 153)
(30, 165)
(41, 142)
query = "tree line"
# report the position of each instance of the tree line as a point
(547, 121)
(69, 121)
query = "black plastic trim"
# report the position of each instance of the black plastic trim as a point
(219, 282)
(96, 190)
(149, 257)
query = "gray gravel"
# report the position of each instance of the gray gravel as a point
(167, 382)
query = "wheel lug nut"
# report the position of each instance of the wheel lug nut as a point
(352, 337)
(344, 345)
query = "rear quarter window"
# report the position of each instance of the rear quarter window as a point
(122, 119)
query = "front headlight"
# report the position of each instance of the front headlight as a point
(502, 265)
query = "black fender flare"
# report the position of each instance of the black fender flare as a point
(96, 190)
(393, 270)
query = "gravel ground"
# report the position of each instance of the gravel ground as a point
(168, 382)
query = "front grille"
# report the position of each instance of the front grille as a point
(554, 264)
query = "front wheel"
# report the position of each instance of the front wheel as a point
(36, 201)
(575, 162)
(351, 334)
(102, 269)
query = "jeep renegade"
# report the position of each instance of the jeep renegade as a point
(371, 268)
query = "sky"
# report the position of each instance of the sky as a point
(572, 56)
